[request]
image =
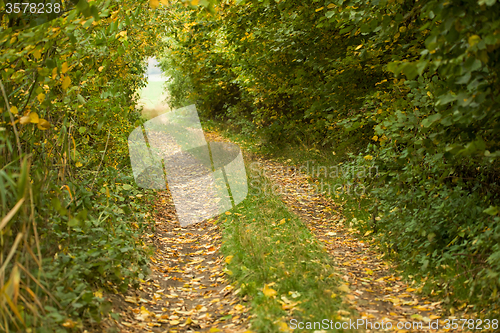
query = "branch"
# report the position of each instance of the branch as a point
(12, 120)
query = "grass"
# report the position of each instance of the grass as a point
(359, 212)
(270, 251)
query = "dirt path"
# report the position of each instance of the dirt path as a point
(187, 290)
(372, 290)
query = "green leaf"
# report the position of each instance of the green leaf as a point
(82, 5)
(95, 13)
(430, 120)
(487, 2)
(81, 99)
(346, 30)
(410, 70)
(492, 210)
(74, 222)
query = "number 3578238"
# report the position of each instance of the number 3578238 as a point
(33, 8)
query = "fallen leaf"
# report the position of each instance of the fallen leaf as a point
(344, 288)
(269, 292)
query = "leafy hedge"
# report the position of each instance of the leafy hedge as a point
(72, 218)
(409, 86)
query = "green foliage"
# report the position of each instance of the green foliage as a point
(72, 218)
(411, 85)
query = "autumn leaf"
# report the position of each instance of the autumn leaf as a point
(34, 118)
(40, 97)
(228, 259)
(66, 82)
(25, 120)
(343, 287)
(43, 124)
(37, 54)
(69, 323)
(283, 327)
(473, 40)
(154, 3)
(14, 110)
(269, 292)
(64, 67)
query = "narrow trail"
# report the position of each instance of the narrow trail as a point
(371, 287)
(187, 290)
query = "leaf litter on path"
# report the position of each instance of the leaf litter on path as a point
(187, 290)
(370, 285)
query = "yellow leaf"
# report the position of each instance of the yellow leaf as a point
(40, 97)
(375, 138)
(68, 323)
(123, 33)
(358, 47)
(194, 2)
(368, 157)
(368, 232)
(64, 67)
(43, 125)
(37, 54)
(154, 3)
(410, 290)
(97, 293)
(214, 329)
(345, 288)
(101, 68)
(319, 9)
(164, 2)
(34, 117)
(66, 82)
(54, 73)
(269, 292)
(24, 120)
(14, 110)
(473, 40)
(332, 5)
(421, 308)
(344, 313)
(239, 307)
(228, 213)
(228, 259)
(282, 221)
(369, 272)
(283, 326)
(79, 164)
